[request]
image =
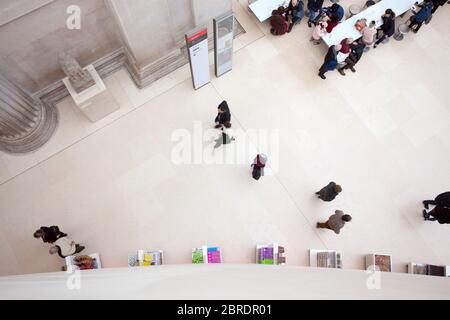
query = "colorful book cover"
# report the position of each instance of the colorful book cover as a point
(197, 255)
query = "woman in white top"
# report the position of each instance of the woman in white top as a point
(65, 247)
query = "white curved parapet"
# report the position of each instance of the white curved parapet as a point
(224, 281)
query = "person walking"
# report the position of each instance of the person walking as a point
(314, 11)
(442, 200)
(329, 192)
(223, 116)
(49, 234)
(439, 213)
(330, 61)
(258, 166)
(423, 15)
(387, 29)
(336, 222)
(65, 247)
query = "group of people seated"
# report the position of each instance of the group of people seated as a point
(347, 53)
(283, 19)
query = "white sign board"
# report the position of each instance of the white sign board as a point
(197, 46)
(223, 43)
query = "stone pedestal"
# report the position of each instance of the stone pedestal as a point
(96, 102)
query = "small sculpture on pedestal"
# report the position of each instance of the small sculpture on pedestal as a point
(78, 77)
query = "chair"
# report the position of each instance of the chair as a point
(354, 10)
(402, 30)
(369, 3)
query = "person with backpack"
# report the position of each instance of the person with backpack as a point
(423, 15)
(314, 11)
(387, 29)
(258, 166)
(294, 13)
(223, 116)
(330, 61)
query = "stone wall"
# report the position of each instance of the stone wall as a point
(30, 43)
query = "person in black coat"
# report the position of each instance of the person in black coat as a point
(437, 4)
(387, 28)
(442, 200)
(223, 116)
(329, 192)
(330, 61)
(49, 234)
(357, 50)
(439, 213)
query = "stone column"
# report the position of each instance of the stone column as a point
(25, 123)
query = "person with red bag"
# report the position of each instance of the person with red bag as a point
(258, 166)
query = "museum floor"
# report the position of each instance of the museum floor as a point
(383, 133)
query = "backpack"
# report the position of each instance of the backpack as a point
(256, 173)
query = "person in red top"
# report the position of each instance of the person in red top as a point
(278, 23)
(332, 23)
(345, 43)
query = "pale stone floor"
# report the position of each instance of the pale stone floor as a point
(382, 132)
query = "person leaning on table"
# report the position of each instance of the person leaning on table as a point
(368, 34)
(421, 16)
(330, 61)
(387, 28)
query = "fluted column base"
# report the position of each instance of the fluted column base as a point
(37, 136)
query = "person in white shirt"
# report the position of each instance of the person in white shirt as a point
(65, 247)
(369, 33)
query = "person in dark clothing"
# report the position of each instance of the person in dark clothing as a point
(49, 234)
(223, 139)
(437, 4)
(314, 11)
(335, 9)
(294, 13)
(223, 116)
(442, 200)
(357, 50)
(387, 28)
(330, 61)
(421, 16)
(278, 22)
(329, 192)
(439, 213)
